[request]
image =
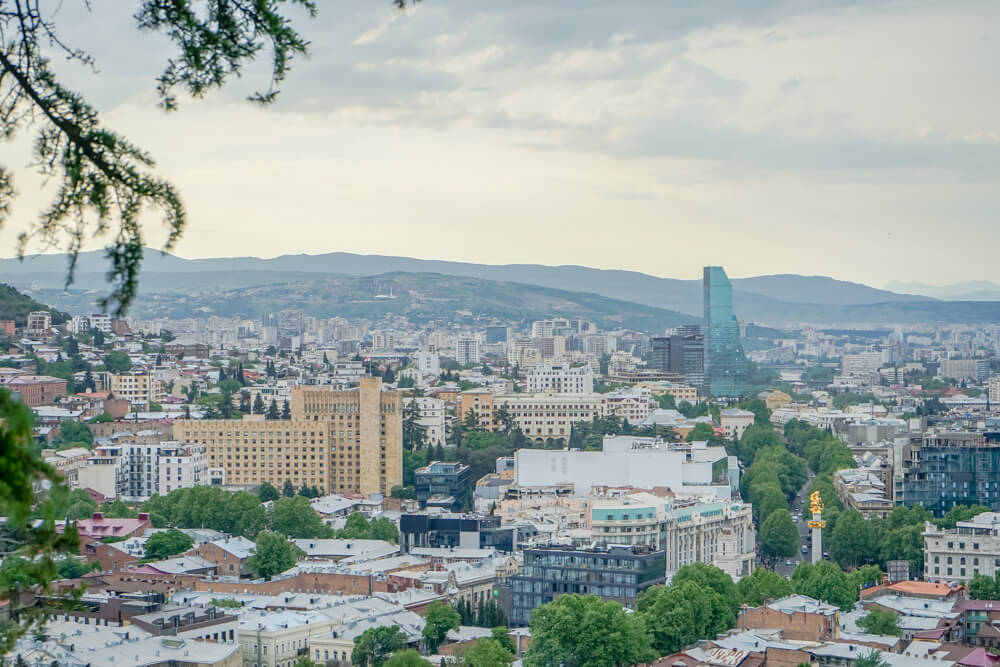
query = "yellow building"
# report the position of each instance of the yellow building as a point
(540, 417)
(777, 399)
(338, 441)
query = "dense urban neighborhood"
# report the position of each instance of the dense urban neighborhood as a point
(295, 490)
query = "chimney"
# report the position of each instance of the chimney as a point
(143, 516)
(98, 516)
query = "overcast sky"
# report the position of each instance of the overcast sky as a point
(859, 140)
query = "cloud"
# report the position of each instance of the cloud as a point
(373, 35)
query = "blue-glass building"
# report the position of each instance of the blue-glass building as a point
(726, 371)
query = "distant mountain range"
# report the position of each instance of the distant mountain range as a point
(774, 299)
(977, 290)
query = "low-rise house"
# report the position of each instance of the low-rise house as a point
(230, 555)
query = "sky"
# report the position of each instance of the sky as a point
(859, 140)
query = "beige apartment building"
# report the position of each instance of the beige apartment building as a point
(539, 416)
(136, 387)
(338, 441)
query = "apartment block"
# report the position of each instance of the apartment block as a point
(135, 471)
(560, 379)
(540, 417)
(338, 441)
(136, 387)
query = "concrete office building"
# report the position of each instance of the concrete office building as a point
(560, 379)
(338, 441)
(971, 548)
(627, 461)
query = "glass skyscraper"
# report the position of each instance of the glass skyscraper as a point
(726, 372)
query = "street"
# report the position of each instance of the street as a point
(799, 505)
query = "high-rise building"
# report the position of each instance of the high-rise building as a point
(726, 371)
(497, 335)
(951, 468)
(337, 441)
(466, 350)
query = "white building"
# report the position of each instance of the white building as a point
(39, 323)
(134, 472)
(466, 350)
(560, 379)
(971, 548)
(628, 461)
(632, 405)
(427, 363)
(735, 421)
(383, 340)
(688, 531)
(136, 387)
(431, 418)
(862, 363)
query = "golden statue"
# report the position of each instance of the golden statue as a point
(815, 503)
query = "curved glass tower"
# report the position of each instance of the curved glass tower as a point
(726, 372)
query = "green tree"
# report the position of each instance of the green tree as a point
(853, 540)
(502, 635)
(960, 513)
(355, 528)
(666, 402)
(488, 652)
(117, 361)
(414, 436)
(701, 432)
(288, 489)
(375, 645)
(825, 581)
(984, 588)
(20, 469)
(296, 518)
(286, 410)
(709, 576)
(384, 529)
(167, 543)
(72, 505)
(586, 631)
(272, 410)
(779, 538)
(407, 658)
(873, 658)
(756, 437)
(768, 501)
(681, 614)
(118, 509)
(762, 585)
(73, 434)
(257, 407)
(880, 622)
(304, 661)
(267, 492)
(439, 618)
(274, 554)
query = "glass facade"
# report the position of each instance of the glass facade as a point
(617, 573)
(726, 372)
(949, 472)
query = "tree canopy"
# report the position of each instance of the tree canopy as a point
(167, 543)
(586, 631)
(274, 554)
